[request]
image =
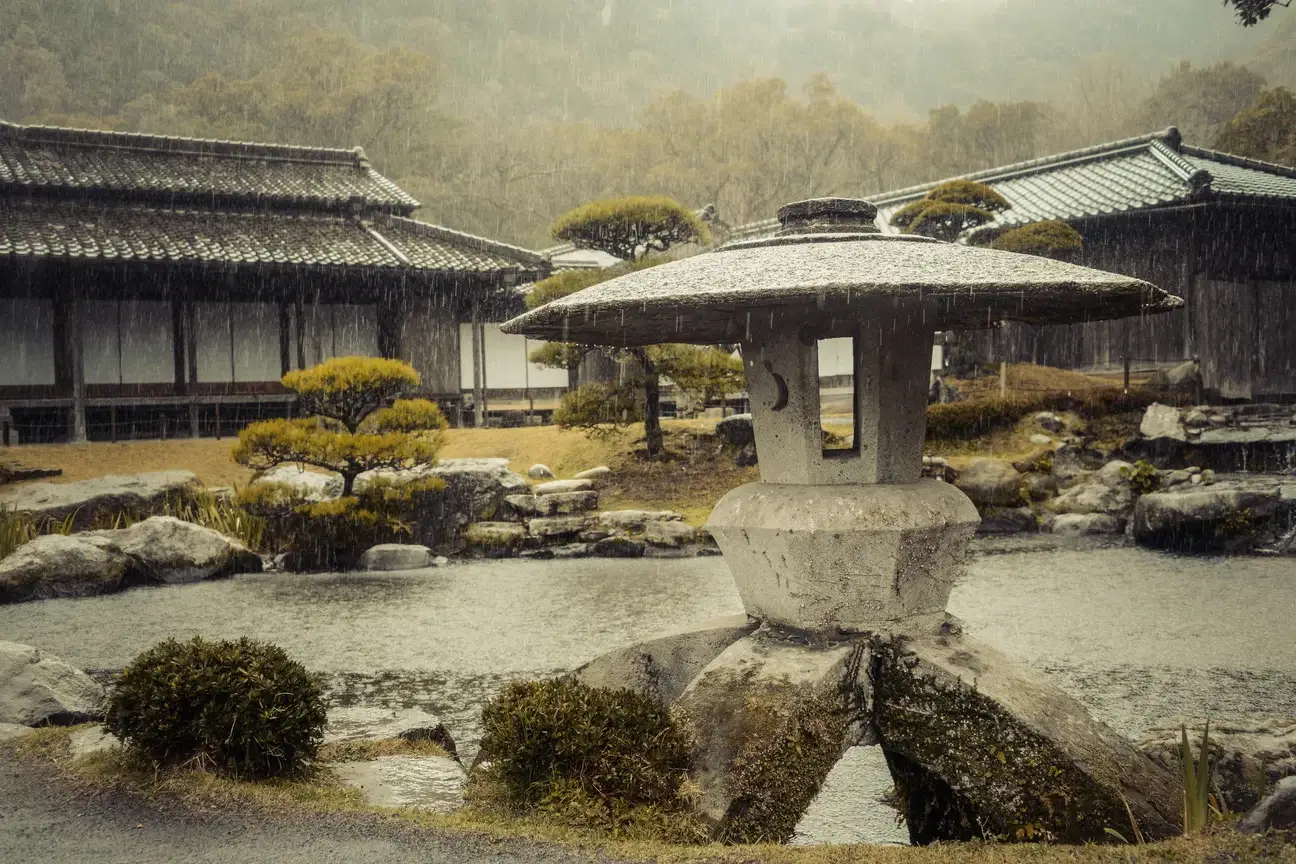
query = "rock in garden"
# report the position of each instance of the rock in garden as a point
(494, 538)
(566, 503)
(570, 551)
(91, 740)
(1206, 518)
(1245, 760)
(1041, 487)
(636, 520)
(769, 719)
(618, 547)
(310, 485)
(991, 483)
(597, 475)
(56, 566)
(1277, 812)
(1038, 440)
(1084, 524)
(13, 731)
(170, 551)
(983, 746)
(523, 505)
(88, 500)
(1007, 520)
(664, 666)
(554, 527)
(1184, 378)
(395, 556)
(433, 783)
(1163, 421)
(554, 487)
(540, 472)
(476, 488)
(437, 734)
(39, 690)
(1049, 422)
(737, 430)
(670, 535)
(1106, 491)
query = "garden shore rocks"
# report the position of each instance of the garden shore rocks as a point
(1277, 812)
(1106, 491)
(1245, 759)
(670, 535)
(980, 745)
(1214, 518)
(1163, 421)
(540, 472)
(87, 501)
(159, 550)
(597, 476)
(39, 690)
(1084, 524)
(557, 486)
(635, 520)
(550, 528)
(566, 503)
(991, 483)
(395, 556)
(495, 539)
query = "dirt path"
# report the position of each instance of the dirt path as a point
(44, 820)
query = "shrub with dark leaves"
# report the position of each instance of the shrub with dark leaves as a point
(244, 708)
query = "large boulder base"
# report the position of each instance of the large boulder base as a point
(1107, 491)
(433, 783)
(982, 746)
(89, 501)
(388, 557)
(39, 690)
(1277, 812)
(159, 550)
(770, 717)
(663, 667)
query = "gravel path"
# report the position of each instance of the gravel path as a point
(44, 820)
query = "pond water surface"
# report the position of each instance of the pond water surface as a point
(1142, 638)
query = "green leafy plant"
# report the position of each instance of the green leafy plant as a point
(1200, 807)
(562, 747)
(1143, 477)
(219, 513)
(18, 527)
(1051, 239)
(243, 708)
(949, 209)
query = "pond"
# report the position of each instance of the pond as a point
(1141, 638)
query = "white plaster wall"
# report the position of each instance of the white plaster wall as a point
(256, 341)
(99, 342)
(147, 340)
(26, 342)
(336, 330)
(835, 358)
(212, 334)
(507, 366)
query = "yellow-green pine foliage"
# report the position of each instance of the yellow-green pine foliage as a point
(703, 371)
(352, 433)
(624, 226)
(559, 355)
(600, 407)
(347, 389)
(1051, 239)
(949, 209)
(570, 281)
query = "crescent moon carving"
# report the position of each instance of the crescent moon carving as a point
(781, 383)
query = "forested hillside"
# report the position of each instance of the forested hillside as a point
(500, 114)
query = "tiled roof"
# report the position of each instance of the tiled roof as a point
(190, 170)
(1142, 173)
(42, 228)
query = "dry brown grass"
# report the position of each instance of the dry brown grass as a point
(322, 793)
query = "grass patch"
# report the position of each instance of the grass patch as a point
(369, 750)
(321, 793)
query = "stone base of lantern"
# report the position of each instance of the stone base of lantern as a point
(845, 558)
(979, 746)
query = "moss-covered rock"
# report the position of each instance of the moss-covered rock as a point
(769, 718)
(981, 746)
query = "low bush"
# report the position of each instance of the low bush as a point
(1143, 477)
(242, 708)
(960, 421)
(594, 757)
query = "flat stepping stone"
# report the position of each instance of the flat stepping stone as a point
(433, 783)
(556, 486)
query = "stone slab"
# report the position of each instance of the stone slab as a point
(555, 486)
(433, 783)
(37, 689)
(664, 666)
(396, 556)
(86, 500)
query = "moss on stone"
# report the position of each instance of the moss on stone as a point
(1004, 780)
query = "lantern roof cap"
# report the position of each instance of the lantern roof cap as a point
(829, 263)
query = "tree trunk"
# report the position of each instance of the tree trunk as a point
(652, 407)
(348, 484)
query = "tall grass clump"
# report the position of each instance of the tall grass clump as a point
(17, 528)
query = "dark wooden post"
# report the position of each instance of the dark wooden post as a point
(299, 309)
(285, 339)
(178, 345)
(191, 343)
(76, 346)
(479, 397)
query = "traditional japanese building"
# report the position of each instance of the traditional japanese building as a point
(153, 285)
(1216, 229)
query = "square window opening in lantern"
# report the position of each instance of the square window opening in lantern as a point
(838, 403)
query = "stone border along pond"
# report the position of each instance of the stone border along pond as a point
(486, 510)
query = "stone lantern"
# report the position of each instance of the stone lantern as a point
(836, 551)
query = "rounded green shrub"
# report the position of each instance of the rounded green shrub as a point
(556, 742)
(244, 708)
